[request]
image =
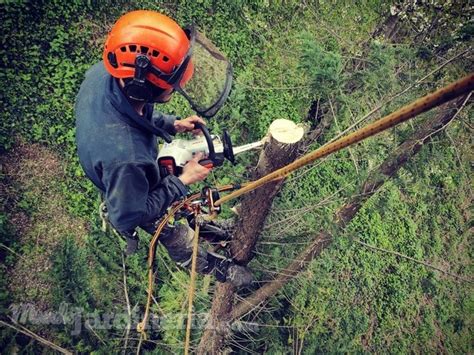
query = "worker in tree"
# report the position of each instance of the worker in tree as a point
(147, 57)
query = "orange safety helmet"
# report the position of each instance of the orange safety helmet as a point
(154, 37)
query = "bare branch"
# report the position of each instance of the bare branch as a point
(36, 337)
(390, 99)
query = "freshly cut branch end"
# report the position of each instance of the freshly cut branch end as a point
(286, 131)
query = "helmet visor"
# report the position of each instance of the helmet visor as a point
(210, 83)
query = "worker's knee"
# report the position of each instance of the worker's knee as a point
(179, 244)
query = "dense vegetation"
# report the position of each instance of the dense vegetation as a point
(319, 63)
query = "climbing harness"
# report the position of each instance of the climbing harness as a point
(209, 201)
(206, 203)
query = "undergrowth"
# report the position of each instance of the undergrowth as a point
(309, 62)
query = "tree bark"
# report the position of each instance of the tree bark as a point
(281, 148)
(388, 28)
(397, 159)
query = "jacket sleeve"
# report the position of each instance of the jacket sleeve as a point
(165, 122)
(130, 202)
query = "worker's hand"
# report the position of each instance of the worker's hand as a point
(187, 125)
(193, 171)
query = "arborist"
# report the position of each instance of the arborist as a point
(147, 57)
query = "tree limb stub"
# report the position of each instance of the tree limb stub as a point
(280, 149)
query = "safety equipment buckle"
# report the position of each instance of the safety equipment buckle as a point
(208, 196)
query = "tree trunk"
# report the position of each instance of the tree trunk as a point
(388, 169)
(388, 28)
(281, 148)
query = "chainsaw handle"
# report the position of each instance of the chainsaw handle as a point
(207, 163)
(210, 144)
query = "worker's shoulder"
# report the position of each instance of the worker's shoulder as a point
(93, 92)
(96, 77)
(97, 71)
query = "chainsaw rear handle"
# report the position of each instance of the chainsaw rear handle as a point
(209, 162)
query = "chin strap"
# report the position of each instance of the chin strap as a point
(148, 126)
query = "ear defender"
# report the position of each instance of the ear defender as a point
(138, 89)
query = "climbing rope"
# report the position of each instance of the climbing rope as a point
(193, 279)
(423, 104)
(141, 327)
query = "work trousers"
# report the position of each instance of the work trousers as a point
(178, 241)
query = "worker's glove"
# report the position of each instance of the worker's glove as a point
(131, 237)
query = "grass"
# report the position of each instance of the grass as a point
(285, 56)
(37, 210)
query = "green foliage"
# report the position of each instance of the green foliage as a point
(7, 259)
(286, 56)
(382, 62)
(71, 274)
(324, 68)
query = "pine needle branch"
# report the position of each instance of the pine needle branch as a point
(403, 256)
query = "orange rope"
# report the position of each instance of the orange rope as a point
(192, 282)
(141, 327)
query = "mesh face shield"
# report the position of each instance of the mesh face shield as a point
(208, 88)
(204, 77)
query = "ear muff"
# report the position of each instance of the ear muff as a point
(137, 88)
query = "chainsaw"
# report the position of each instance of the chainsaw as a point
(173, 156)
